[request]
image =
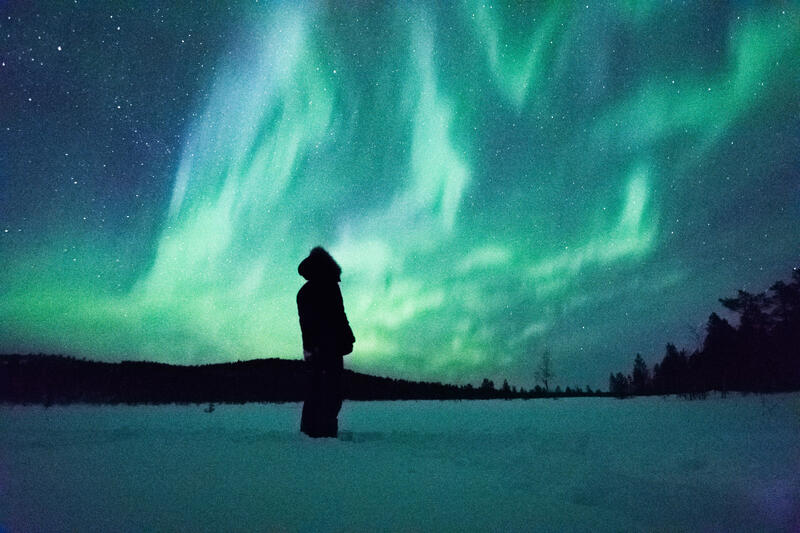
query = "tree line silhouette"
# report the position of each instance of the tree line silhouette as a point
(761, 353)
(56, 379)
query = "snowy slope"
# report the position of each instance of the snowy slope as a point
(583, 464)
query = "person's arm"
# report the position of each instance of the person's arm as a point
(308, 324)
(345, 331)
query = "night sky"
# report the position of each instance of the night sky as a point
(496, 182)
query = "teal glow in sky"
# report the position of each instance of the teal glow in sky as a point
(495, 180)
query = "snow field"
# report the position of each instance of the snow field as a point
(580, 464)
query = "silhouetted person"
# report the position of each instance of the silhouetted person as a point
(327, 337)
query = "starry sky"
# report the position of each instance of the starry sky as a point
(497, 181)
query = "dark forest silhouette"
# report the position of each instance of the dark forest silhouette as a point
(55, 379)
(760, 354)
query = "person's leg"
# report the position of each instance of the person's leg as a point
(310, 419)
(306, 419)
(337, 392)
(333, 399)
(322, 414)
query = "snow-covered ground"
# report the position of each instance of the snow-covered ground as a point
(589, 464)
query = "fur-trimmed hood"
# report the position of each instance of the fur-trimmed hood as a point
(319, 265)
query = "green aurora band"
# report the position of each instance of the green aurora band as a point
(495, 182)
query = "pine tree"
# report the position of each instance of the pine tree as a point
(544, 372)
(641, 376)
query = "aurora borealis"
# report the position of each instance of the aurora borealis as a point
(495, 180)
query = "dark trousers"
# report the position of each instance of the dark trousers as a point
(323, 399)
